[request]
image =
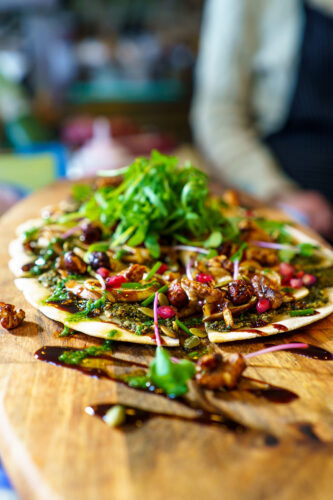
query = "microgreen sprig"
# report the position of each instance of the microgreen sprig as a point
(157, 199)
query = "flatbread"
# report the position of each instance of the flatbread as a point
(35, 293)
(282, 321)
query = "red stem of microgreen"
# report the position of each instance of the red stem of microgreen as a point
(280, 347)
(157, 333)
(191, 249)
(274, 246)
(188, 270)
(70, 231)
(236, 269)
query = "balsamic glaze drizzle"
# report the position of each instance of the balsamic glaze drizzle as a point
(312, 351)
(136, 417)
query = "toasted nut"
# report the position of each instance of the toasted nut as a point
(163, 299)
(168, 332)
(115, 416)
(198, 332)
(146, 311)
(10, 317)
(191, 342)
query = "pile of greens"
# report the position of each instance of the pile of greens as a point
(156, 200)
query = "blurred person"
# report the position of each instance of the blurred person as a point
(263, 106)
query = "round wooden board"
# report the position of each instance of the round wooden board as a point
(53, 450)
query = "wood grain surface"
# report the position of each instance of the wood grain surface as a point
(53, 450)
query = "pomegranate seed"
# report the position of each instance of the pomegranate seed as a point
(300, 274)
(263, 305)
(102, 271)
(309, 279)
(162, 269)
(296, 282)
(165, 312)
(115, 281)
(204, 278)
(286, 270)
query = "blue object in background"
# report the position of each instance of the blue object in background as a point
(56, 148)
(29, 168)
(6, 490)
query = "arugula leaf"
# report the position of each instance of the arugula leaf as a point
(211, 253)
(307, 249)
(29, 234)
(99, 247)
(169, 376)
(214, 240)
(155, 199)
(282, 236)
(239, 254)
(81, 192)
(120, 254)
(272, 227)
(153, 245)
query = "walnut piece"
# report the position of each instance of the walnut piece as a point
(214, 372)
(10, 317)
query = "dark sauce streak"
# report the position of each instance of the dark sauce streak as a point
(253, 330)
(312, 351)
(68, 306)
(136, 417)
(307, 430)
(274, 394)
(279, 327)
(51, 354)
(271, 440)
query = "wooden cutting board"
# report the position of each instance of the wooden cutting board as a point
(53, 450)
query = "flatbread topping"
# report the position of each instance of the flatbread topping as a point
(222, 271)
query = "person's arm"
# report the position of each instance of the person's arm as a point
(221, 112)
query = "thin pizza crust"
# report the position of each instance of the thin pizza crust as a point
(35, 293)
(282, 321)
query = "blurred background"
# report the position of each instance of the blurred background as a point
(87, 85)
